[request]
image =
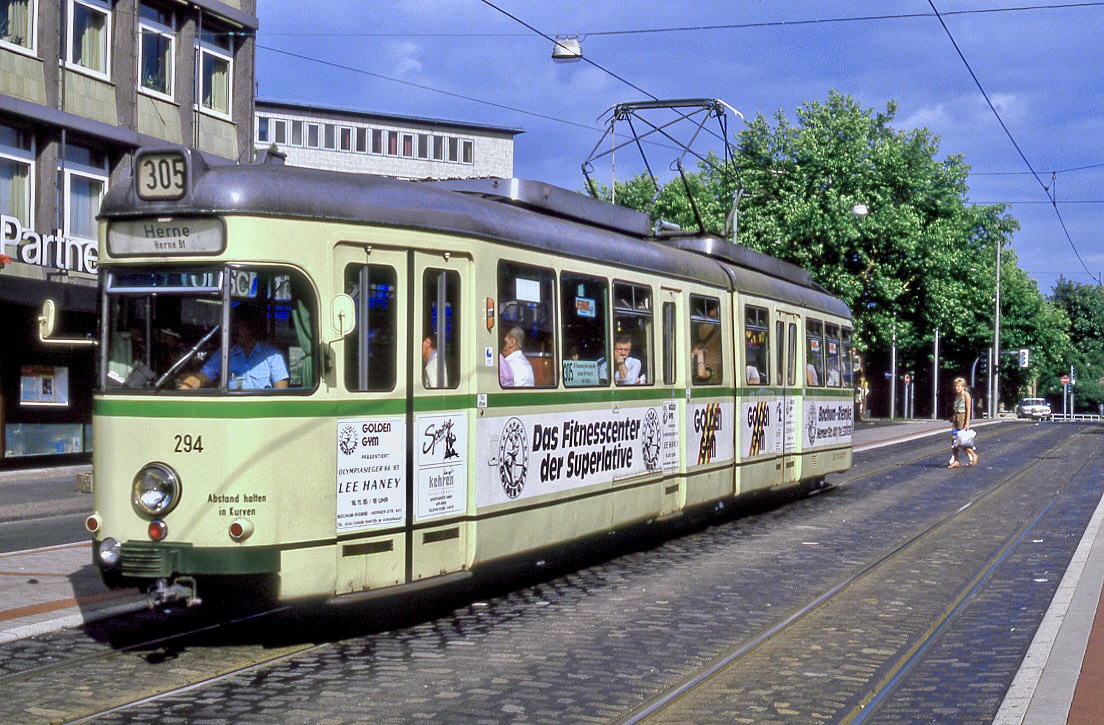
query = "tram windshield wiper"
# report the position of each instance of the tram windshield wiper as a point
(186, 357)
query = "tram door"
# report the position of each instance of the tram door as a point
(369, 367)
(442, 333)
(788, 381)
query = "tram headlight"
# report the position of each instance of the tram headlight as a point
(109, 552)
(156, 489)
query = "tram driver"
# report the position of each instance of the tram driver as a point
(254, 364)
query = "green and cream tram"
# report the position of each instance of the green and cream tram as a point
(447, 381)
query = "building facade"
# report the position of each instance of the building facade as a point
(405, 147)
(83, 83)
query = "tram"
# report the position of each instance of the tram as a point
(331, 384)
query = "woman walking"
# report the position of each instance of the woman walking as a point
(963, 412)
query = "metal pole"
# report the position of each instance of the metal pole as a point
(893, 378)
(994, 377)
(935, 378)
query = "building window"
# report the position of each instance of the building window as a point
(362, 141)
(346, 138)
(454, 149)
(377, 141)
(296, 133)
(17, 22)
(155, 50)
(262, 129)
(16, 174)
(312, 135)
(83, 183)
(392, 143)
(423, 146)
(279, 129)
(438, 148)
(330, 139)
(216, 64)
(467, 150)
(408, 145)
(89, 35)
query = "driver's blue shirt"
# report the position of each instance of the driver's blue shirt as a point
(263, 368)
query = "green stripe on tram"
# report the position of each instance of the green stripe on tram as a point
(297, 407)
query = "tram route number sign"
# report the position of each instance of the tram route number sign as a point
(161, 176)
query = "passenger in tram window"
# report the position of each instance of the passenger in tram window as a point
(626, 368)
(752, 374)
(254, 364)
(514, 369)
(431, 361)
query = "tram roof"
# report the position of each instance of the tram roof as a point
(521, 213)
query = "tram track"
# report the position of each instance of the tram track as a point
(786, 641)
(119, 676)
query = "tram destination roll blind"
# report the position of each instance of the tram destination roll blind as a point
(167, 237)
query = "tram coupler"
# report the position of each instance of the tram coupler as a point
(163, 594)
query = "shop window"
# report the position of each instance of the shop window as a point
(705, 340)
(157, 41)
(756, 345)
(370, 349)
(89, 36)
(215, 56)
(584, 330)
(526, 315)
(632, 334)
(814, 353)
(165, 331)
(16, 173)
(18, 20)
(440, 329)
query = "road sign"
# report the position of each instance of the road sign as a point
(1065, 380)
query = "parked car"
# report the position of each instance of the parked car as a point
(1033, 408)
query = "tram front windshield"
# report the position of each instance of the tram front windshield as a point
(230, 329)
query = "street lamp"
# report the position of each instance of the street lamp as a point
(567, 49)
(994, 362)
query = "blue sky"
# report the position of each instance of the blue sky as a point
(1038, 61)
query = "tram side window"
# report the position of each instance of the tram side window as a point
(632, 334)
(441, 335)
(780, 353)
(705, 337)
(526, 315)
(832, 360)
(165, 330)
(370, 349)
(756, 345)
(814, 353)
(791, 359)
(669, 345)
(584, 311)
(847, 367)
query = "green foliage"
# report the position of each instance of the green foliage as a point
(1083, 306)
(923, 258)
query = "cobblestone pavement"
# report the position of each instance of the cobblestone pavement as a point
(595, 644)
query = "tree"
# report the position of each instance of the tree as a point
(922, 258)
(1083, 305)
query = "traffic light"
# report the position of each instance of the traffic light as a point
(1023, 357)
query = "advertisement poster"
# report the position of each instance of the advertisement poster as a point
(530, 455)
(709, 433)
(441, 453)
(371, 487)
(828, 423)
(43, 385)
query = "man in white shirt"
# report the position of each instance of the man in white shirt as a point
(514, 368)
(626, 369)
